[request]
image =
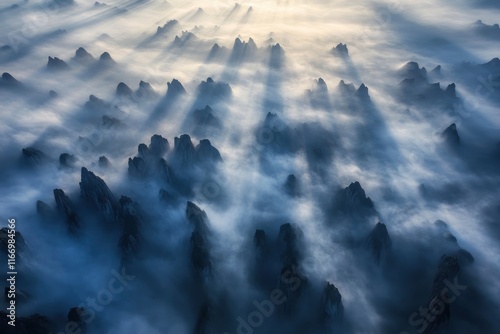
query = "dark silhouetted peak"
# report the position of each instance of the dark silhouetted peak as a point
(353, 199)
(184, 150)
(8, 78)
(237, 43)
(486, 30)
(277, 48)
(291, 237)
(276, 135)
(81, 55)
(200, 256)
(446, 274)
(495, 62)
(214, 51)
(123, 90)
(44, 210)
(206, 153)
(96, 103)
(166, 172)
(441, 224)
(106, 59)
(67, 160)
(277, 56)
(105, 56)
(96, 192)
(491, 67)
(65, 207)
(436, 70)
(411, 67)
(145, 90)
(143, 151)
(379, 241)
(346, 89)
(362, 92)
(450, 237)
(104, 162)
(175, 88)
(53, 94)
(450, 91)
(185, 38)
(448, 240)
(159, 146)
(411, 70)
(340, 50)
(197, 217)
(131, 218)
(292, 185)
(213, 89)
(274, 122)
(144, 154)
(137, 168)
(34, 157)
(56, 64)
(251, 44)
(450, 135)
(205, 118)
(332, 309)
(243, 50)
(416, 89)
(145, 85)
(321, 83)
(319, 96)
(167, 27)
(9, 82)
(448, 269)
(111, 122)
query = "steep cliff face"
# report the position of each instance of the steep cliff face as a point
(447, 271)
(379, 242)
(201, 259)
(353, 200)
(65, 206)
(94, 190)
(132, 222)
(332, 309)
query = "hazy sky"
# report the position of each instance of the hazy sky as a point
(392, 146)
